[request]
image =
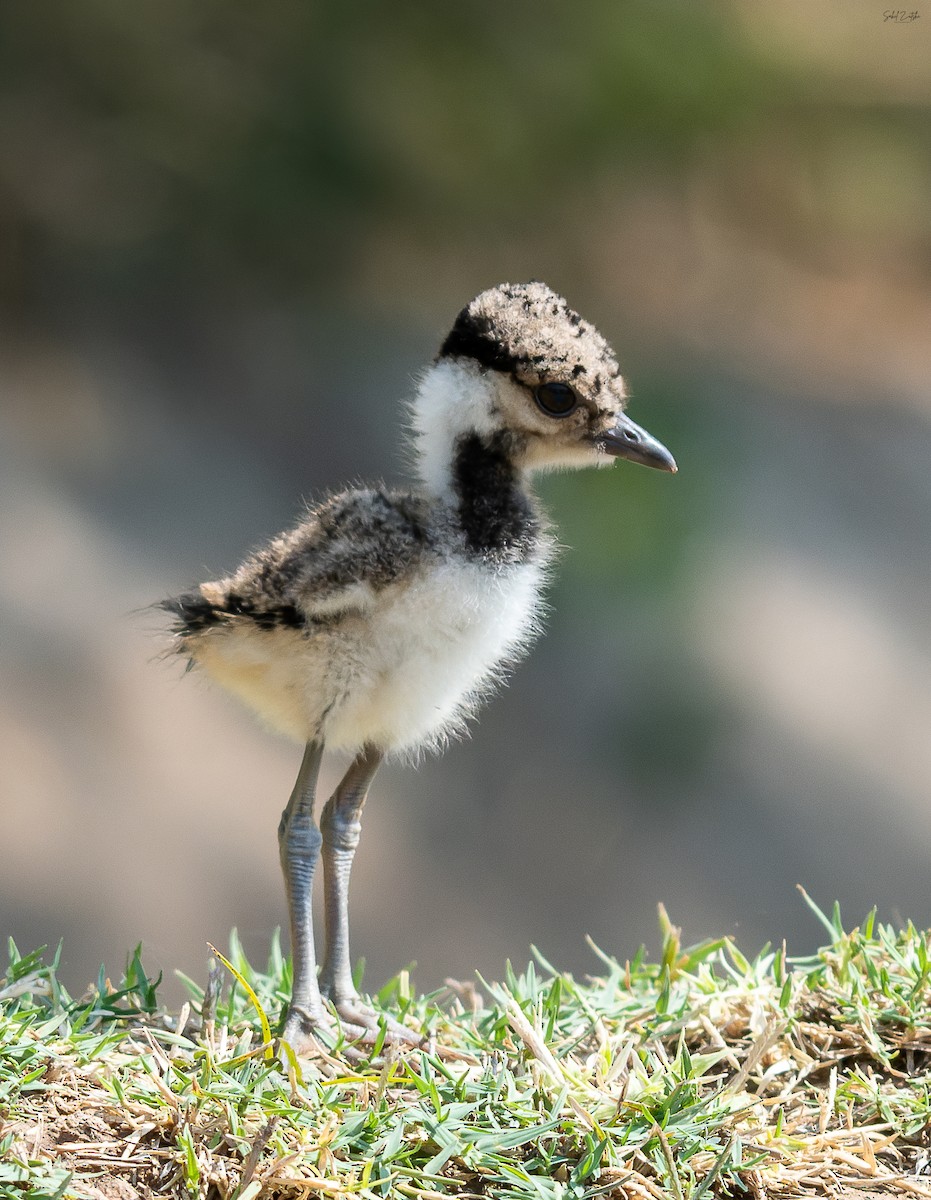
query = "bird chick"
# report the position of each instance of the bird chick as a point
(377, 624)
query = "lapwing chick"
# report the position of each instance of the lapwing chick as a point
(377, 624)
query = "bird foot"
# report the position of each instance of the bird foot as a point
(311, 1033)
(315, 1033)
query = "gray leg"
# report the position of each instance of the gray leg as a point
(299, 847)
(340, 825)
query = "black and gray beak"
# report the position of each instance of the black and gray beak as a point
(628, 440)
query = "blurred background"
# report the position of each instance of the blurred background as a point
(229, 237)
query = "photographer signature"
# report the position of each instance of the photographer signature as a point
(900, 15)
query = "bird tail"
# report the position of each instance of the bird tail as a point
(193, 613)
(197, 612)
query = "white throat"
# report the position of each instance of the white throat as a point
(454, 398)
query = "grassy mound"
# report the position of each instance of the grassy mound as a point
(703, 1074)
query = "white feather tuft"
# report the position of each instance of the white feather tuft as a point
(454, 397)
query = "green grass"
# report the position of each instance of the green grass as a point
(703, 1074)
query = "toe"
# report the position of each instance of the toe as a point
(354, 1013)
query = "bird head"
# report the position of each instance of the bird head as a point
(519, 360)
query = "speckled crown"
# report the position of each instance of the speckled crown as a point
(529, 331)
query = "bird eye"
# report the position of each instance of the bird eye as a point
(555, 399)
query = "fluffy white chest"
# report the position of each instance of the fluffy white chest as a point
(424, 653)
(400, 668)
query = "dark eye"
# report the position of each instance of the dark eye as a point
(556, 399)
